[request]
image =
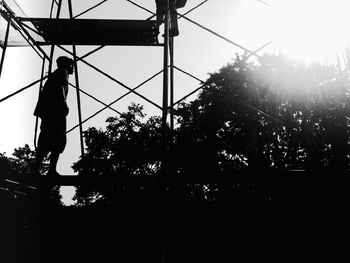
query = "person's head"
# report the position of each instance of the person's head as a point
(65, 63)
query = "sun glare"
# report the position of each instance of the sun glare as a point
(312, 29)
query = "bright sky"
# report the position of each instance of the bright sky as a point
(310, 30)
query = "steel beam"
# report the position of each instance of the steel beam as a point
(5, 44)
(77, 87)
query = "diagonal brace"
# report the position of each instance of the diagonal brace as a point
(111, 78)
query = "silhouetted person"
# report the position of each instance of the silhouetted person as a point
(161, 11)
(52, 110)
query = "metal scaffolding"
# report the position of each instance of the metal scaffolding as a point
(58, 32)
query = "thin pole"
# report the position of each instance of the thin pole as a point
(51, 9)
(165, 86)
(52, 50)
(171, 84)
(77, 87)
(78, 102)
(164, 167)
(40, 88)
(5, 45)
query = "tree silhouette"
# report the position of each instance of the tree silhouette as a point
(250, 119)
(22, 164)
(127, 147)
(6, 165)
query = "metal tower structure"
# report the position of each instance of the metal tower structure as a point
(57, 32)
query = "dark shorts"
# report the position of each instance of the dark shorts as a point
(53, 135)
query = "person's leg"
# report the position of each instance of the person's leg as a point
(42, 148)
(160, 15)
(39, 157)
(40, 151)
(58, 142)
(160, 11)
(53, 162)
(174, 29)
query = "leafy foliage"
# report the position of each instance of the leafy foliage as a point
(249, 119)
(127, 147)
(21, 164)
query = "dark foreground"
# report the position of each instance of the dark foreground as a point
(298, 223)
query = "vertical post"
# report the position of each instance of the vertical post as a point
(164, 166)
(165, 89)
(51, 9)
(171, 83)
(40, 88)
(171, 107)
(57, 16)
(5, 45)
(77, 86)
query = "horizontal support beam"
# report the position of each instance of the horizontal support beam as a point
(43, 43)
(94, 180)
(66, 31)
(76, 180)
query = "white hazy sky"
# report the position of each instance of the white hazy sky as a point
(246, 22)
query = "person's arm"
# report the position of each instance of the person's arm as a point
(63, 91)
(56, 97)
